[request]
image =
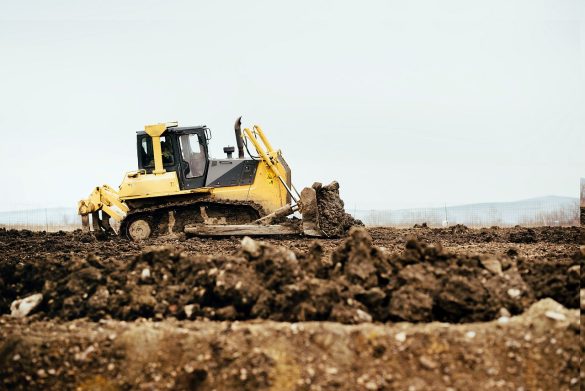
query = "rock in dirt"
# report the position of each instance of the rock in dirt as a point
(492, 264)
(22, 307)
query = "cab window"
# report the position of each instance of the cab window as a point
(193, 154)
(147, 152)
(167, 151)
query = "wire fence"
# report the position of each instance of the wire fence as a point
(50, 220)
(551, 213)
(477, 216)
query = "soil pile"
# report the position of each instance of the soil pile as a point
(359, 282)
(536, 350)
(425, 283)
(523, 236)
(560, 281)
(333, 220)
(368, 276)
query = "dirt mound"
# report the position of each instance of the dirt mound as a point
(458, 228)
(333, 220)
(560, 281)
(536, 350)
(523, 236)
(359, 282)
(369, 276)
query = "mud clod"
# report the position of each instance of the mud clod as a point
(523, 236)
(333, 220)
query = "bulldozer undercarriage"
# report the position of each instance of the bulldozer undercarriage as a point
(208, 216)
(174, 218)
(204, 217)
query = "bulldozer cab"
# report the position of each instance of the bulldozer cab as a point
(183, 150)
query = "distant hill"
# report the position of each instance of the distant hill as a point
(549, 210)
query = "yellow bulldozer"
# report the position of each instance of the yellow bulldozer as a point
(179, 188)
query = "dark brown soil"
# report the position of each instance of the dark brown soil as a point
(536, 350)
(552, 243)
(333, 220)
(560, 281)
(358, 282)
(378, 275)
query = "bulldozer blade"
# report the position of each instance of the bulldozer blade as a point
(240, 230)
(310, 212)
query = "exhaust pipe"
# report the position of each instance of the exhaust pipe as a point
(239, 141)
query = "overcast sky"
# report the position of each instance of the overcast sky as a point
(405, 103)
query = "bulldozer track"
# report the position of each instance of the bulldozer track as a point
(157, 212)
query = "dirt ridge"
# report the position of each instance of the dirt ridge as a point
(358, 282)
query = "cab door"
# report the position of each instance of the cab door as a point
(193, 154)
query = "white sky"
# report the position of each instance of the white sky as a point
(405, 103)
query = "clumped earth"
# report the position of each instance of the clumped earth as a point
(334, 221)
(224, 296)
(358, 282)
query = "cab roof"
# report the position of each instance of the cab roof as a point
(178, 129)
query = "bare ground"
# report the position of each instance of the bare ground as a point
(531, 351)
(203, 315)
